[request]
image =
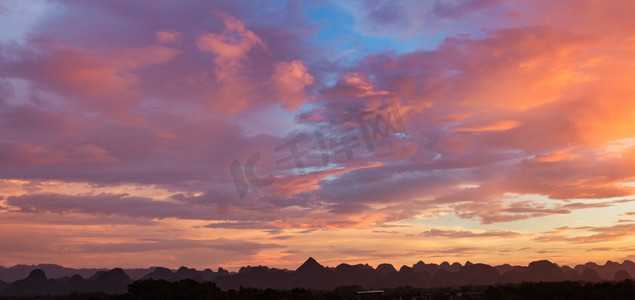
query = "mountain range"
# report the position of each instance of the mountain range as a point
(57, 280)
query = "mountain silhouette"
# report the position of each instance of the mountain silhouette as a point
(589, 275)
(259, 276)
(622, 275)
(384, 269)
(18, 272)
(113, 281)
(160, 273)
(3, 285)
(186, 273)
(222, 272)
(477, 274)
(348, 275)
(543, 270)
(609, 269)
(310, 265)
(313, 275)
(35, 284)
(409, 277)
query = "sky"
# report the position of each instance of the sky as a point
(234, 133)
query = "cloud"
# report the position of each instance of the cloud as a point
(102, 79)
(506, 118)
(477, 141)
(453, 9)
(383, 18)
(601, 249)
(310, 182)
(497, 126)
(235, 246)
(603, 234)
(105, 204)
(231, 48)
(457, 234)
(444, 252)
(168, 36)
(555, 156)
(289, 80)
(386, 231)
(243, 225)
(362, 84)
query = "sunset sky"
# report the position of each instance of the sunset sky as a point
(499, 132)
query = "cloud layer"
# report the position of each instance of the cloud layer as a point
(452, 122)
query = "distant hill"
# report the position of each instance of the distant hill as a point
(114, 281)
(313, 275)
(18, 272)
(11, 274)
(608, 270)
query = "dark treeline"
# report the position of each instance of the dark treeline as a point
(194, 290)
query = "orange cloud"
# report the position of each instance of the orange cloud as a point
(289, 80)
(496, 126)
(556, 156)
(293, 184)
(365, 87)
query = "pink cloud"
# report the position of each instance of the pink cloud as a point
(231, 46)
(363, 84)
(289, 80)
(168, 36)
